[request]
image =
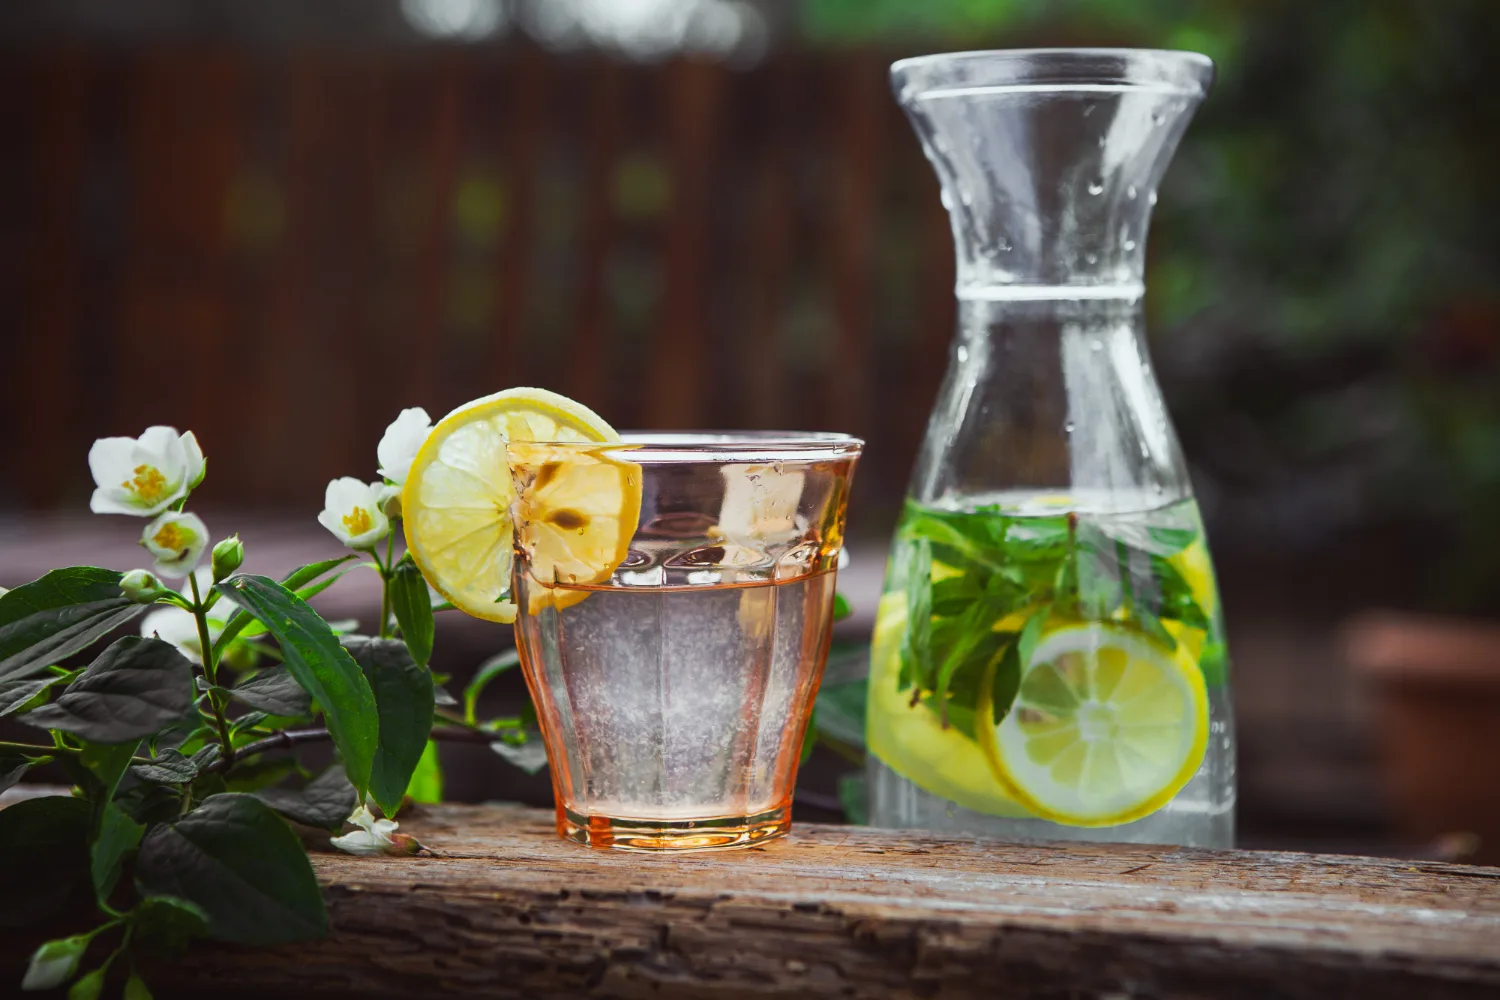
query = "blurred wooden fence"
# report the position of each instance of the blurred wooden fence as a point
(282, 249)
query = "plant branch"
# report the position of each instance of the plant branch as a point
(290, 739)
(210, 670)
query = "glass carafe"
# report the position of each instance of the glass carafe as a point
(1049, 659)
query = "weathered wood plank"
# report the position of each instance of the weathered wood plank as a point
(503, 908)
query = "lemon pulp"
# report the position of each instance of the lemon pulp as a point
(456, 502)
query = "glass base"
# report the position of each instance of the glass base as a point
(652, 835)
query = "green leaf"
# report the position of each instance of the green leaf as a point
(18, 694)
(240, 621)
(809, 736)
(118, 836)
(853, 797)
(136, 687)
(89, 987)
(528, 752)
(404, 699)
(325, 669)
(167, 923)
(50, 619)
(488, 671)
(106, 764)
(44, 857)
(326, 801)
(413, 606)
(274, 691)
(169, 767)
(841, 711)
(242, 865)
(135, 988)
(427, 783)
(841, 607)
(13, 766)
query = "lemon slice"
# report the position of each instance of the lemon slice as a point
(576, 513)
(455, 504)
(1106, 727)
(910, 740)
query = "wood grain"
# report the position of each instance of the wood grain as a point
(503, 908)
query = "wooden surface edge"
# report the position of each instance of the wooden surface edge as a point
(501, 907)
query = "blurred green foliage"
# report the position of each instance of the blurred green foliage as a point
(1324, 267)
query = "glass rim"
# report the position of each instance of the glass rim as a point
(1052, 69)
(722, 447)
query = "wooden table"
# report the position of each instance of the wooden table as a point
(503, 908)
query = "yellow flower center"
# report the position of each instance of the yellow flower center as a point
(357, 521)
(149, 485)
(170, 536)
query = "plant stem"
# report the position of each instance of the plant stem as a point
(385, 583)
(210, 670)
(46, 751)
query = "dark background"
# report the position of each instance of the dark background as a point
(278, 223)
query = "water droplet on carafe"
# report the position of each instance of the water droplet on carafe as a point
(1157, 118)
(1129, 244)
(1152, 198)
(1096, 187)
(1091, 258)
(962, 353)
(1130, 191)
(1096, 344)
(1068, 427)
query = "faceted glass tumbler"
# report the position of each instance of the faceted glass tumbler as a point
(673, 696)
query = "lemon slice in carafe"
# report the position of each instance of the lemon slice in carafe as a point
(1107, 726)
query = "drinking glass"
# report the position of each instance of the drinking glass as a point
(673, 696)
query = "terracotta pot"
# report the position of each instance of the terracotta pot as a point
(1435, 686)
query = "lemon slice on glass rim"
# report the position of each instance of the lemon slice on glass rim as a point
(456, 502)
(1106, 727)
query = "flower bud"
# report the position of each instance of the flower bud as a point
(141, 586)
(55, 962)
(4, 591)
(227, 557)
(89, 987)
(389, 497)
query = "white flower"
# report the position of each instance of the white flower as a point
(351, 510)
(399, 445)
(55, 962)
(178, 627)
(145, 475)
(375, 836)
(177, 541)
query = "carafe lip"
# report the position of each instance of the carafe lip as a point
(1000, 71)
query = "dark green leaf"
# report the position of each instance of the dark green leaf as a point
(18, 694)
(853, 798)
(917, 667)
(403, 697)
(1100, 592)
(169, 767)
(47, 620)
(167, 923)
(326, 801)
(841, 711)
(841, 607)
(242, 865)
(488, 671)
(135, 687)
(1214, 662)
(413, 607)
(12, 767)
(298, 578)
(274, 691)
(324, 668)
(118, 836)
(44, 857)
(147, 803)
